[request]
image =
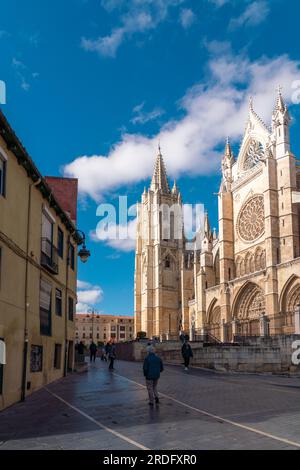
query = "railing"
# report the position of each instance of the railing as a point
(49, 256)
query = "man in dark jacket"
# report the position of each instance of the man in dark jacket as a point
(187, 353)
(111, 353)
(153, 367)
(93, 351)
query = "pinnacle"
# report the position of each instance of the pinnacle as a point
(175, 188)
(160, 179)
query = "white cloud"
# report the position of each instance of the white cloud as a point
(187, 17)
(142, 117)
(254, 14)
(137, 16)
(87, 295)
(212, 110)
(90, 296)
(83, 285)
(82, 308)
(119, 237)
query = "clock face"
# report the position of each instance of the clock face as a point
(251, 220)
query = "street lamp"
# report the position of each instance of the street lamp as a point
(93, 312)
(84, 253)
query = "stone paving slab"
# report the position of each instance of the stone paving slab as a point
(100, 410)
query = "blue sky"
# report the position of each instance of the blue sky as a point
(92, 86)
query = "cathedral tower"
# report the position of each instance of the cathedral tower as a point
(159, 257)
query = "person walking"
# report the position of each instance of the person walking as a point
(103, 354)
(182, 336)
(111, 355)
(152, 368)
(80, 348)
(187, 353)
(93, 351)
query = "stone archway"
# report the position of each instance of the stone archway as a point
(214, 320)
(290, 303)
(249, 306)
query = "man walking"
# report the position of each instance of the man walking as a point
(93, 352)
(152, 368)
(182, 336)
(187, 353)
(111, 352)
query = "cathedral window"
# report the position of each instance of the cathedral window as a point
(251, 219)
(254, 155)
(167, 262)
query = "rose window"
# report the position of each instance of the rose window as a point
(251, 221)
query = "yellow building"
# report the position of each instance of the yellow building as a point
(38, 272)
(102, 328)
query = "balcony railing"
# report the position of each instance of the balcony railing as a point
(49, 256)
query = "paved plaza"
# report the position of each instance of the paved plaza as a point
(198, 410)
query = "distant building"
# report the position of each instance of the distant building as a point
(102, 328)
(38, 272)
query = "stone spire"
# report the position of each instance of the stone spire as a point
(207, 230)
(227, 163)
(281, 120)
(228, 155)
(207, 236)
(280, 106)
(175, 188)
(160, 179)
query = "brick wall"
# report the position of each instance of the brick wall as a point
(65, 191)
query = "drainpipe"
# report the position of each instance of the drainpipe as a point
(66, 307)
(25, 349)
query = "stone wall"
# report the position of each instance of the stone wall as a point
(259, 355)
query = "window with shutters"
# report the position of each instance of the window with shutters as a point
(58, 302)
(45, 308)
(71, 309)
(60, 242)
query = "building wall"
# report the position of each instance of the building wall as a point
(102, 328)
(21, 272)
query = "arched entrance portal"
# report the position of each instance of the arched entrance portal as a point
(291, 302)
(250, 305)
(214, 321)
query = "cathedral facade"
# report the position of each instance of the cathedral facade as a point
(245, 281)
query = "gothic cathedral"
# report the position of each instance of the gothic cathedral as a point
(245, 281)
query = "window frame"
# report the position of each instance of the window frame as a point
(60, 242)
(59, 314)
(71, 303)
(43, 330)
(3, 175)
(72, 256)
